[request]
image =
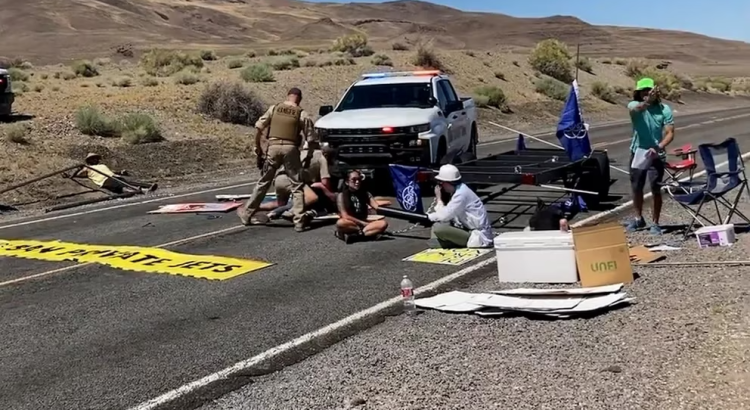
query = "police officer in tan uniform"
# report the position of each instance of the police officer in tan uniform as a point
(289, 126)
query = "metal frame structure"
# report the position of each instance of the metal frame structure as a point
(108, 195)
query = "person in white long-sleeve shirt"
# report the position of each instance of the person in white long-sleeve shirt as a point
(465, 208)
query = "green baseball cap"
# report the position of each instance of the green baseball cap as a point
(644, 83)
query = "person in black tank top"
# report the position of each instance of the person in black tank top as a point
(355, 220)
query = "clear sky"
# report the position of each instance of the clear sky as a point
(718, 18)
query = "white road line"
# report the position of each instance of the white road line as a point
(348, 321)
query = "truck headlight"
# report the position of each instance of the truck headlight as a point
(417, 129)
(322, 132)
(415, 143)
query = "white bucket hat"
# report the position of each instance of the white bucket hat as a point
(448, 173)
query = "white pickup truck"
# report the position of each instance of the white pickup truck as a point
(410, 118)
(6, 94)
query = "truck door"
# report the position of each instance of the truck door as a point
(459, 119)
(450, 118)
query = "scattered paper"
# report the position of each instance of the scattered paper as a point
(553, 303)
(664, 248)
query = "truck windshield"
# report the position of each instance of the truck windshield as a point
(413, 95)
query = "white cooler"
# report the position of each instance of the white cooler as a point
(536, 257)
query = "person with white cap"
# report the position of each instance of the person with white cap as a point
(464, 208)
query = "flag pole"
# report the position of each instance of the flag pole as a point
(578, 53)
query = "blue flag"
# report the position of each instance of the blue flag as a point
(572, 132)
(520, 144)
(407, 188)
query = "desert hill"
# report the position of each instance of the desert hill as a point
(46, 31)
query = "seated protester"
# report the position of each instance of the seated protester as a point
(352, 203)
(464, 208)
(548, 218)
(102, 176)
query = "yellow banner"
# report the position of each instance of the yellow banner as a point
(454, 257)
(133, 258)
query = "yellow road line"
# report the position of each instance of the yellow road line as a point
(164, 245)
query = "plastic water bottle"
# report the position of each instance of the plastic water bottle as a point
(407, 294)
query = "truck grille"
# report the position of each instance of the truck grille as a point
(363, 149)
(368, 131)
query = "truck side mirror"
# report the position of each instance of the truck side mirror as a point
(432, 101)
(325, 110)
(454, 106)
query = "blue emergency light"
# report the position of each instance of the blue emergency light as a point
(402, 74)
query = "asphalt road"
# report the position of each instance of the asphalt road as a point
(100, 338)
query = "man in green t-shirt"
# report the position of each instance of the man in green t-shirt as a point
(653, 130)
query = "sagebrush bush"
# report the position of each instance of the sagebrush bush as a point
(235, 63)
(603, 91)
(16, 74)
(20, 87)
(17, 134)
(552, 88)
(230, 102)
(85, 68)
(257, 73)
(495, 97)
(164, 63)
(208, 55)
(285, 63)
(91, 121)
(354, 44)
(139, 128)
(149, 82)
(186, 78)
(427, 59)
(636, 68)
(399, 47)
(551, 57)
(382, 60)
(584, 64)
(123, 82)
(720, 84)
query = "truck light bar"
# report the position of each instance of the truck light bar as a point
(402, 74)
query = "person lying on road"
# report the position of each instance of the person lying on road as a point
(102, 176)
(464, 208)
(355, 221)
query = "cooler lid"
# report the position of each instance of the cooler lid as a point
(534, 239)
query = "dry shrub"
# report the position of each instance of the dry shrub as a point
(164, 63)
(382, 60)
(17, 134)
(399, 47)
(426, 58)
(257, 73)
(551, 57)
(85, 68)
(584, 64)
(139, 128)
(354, 44)
(603, 91)
(552, 88)
(491, 96)
(230, 102)
(91, 121)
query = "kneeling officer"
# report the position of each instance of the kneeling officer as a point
(289, 126)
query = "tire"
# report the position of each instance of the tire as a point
(474, 141)
(442, 153)
(596, 178)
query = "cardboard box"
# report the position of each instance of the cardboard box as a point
(602, 255)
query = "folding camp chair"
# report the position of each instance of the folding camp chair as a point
(693, 195)
(686, 164)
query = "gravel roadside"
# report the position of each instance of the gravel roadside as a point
(683, 345)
